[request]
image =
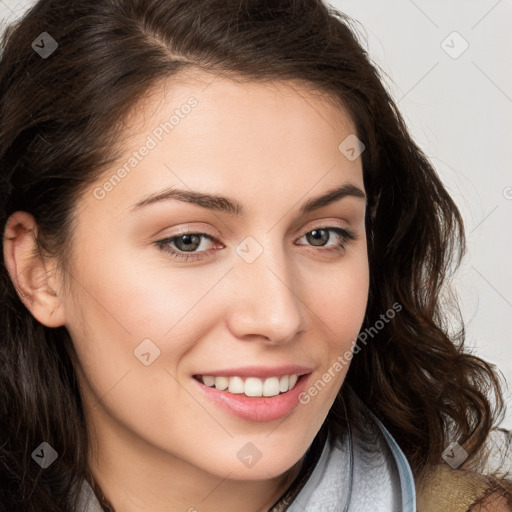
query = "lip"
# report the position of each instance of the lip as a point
(257, 409)
(259, 371)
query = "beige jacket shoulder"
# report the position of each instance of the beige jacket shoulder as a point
(485, 486)
(452, 490)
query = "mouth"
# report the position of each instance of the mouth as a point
(254, 399)
(251, 386)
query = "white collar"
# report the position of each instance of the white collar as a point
(381, 480)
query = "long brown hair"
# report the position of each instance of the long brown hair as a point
(60, 128)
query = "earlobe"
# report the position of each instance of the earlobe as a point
(28, 271)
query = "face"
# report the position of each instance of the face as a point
(261, 284)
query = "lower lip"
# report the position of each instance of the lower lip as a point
(264, 408)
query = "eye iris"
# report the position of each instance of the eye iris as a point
(191, 242)
(316, 235)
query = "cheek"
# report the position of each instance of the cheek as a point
(339, 309)
(340, 298)
(339, 306)
(347, 312)
(118, 314)
(130, 332)
(131, 300)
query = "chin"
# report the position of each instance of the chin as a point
(254, 461)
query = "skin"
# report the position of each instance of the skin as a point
(156, 443)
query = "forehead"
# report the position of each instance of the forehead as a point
(216, 134)
(237, 97)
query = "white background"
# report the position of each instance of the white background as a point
(458, 106)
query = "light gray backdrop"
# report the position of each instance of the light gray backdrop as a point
(449, 69)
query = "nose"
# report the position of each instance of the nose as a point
(266, 300)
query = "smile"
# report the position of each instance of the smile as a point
(251, 386)
(253, 398)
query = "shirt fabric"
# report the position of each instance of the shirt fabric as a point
(361, 471)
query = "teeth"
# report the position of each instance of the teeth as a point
(271, 387)
(236, 385)
(221, 383)
(252, 386)
(209, 380)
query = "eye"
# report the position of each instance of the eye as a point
(185, 246)
(320, 236)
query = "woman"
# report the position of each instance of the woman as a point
(223, 256)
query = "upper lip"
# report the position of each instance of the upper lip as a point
(259, 371)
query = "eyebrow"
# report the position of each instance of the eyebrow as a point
(234, 207)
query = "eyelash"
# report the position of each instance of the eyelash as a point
(346, 237)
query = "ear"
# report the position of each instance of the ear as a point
(28, 271)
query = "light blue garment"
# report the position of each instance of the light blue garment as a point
(404, 470)
(88, 501)
(381, 480)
